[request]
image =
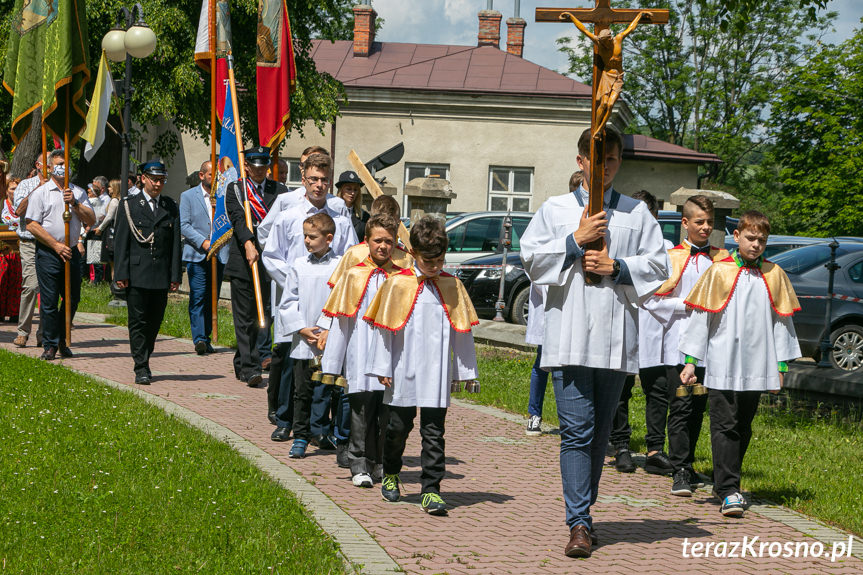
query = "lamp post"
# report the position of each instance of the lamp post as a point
(826, 345)
(506, 241)
(125, 41)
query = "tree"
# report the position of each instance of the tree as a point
(168, 84)
(818, 128)
(692, 84)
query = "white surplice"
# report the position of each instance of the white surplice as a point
(349, 340)
(742, 345)
(285, 244)
(593, 325)
(424, 357)
(651, 333)
(536, 314)
(306, 291)
(671, 312)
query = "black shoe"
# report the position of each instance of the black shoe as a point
(327, 442)
(696, 480)
(201, 347)
(281, 434)
(342, 455)
(142, 377)
(658, 464)
(255, 380)
(210, 348)
(271, 415)
(50, 354)
(65, 352)
(623, 461)
(681, 485)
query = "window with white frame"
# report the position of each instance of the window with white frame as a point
(417, 170)
(510, 189)
(295, 177)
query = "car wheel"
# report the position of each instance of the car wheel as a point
(847, 353)
(520, 306)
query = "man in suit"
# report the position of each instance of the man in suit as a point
(246, 250)
(147, 261)
(196, 225)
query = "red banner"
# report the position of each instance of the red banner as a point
(277, 71)
(217, 11)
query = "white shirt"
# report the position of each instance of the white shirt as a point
(303, 299)
(743, 344)
(292, 199)
(424, 357)
(46, 208)
(593, 325)
(24, 189)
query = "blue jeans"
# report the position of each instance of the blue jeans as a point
(327, 398)
(538, 383)
(50, 271)
(586, 400)
(200, 302)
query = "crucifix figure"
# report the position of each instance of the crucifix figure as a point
(607, 72)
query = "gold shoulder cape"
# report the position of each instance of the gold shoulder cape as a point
(715, 287)
(359, 253)
(347, 295)
(394, 303)
(679, 257)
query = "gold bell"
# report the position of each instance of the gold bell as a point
(315, 362)
(328, 379)
(455, 387)
(317, 376)
(699, 389)
(472, 386)
(683, 390)
(341, 382)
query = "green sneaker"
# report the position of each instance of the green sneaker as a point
(390, 488)
(433, 504)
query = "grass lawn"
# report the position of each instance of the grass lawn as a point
(95, 480)
(810, 464)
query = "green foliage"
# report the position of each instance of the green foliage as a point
(95, 480)
(818, 126)
(169, 85)
(692, 84)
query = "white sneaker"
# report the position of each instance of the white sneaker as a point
(362, 480)
(534, 425)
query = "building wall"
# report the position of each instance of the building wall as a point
(658, 178)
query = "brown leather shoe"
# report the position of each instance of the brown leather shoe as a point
(20, 341)
(579, 542)
(265, 365)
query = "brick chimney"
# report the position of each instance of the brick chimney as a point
(364, 30)
(515, 36)
(489, 28)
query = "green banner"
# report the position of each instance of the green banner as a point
(47, 65)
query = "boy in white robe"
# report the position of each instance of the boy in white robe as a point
(282, 247)
(348, 342)
(653, 379)
(421, 345)
(591, 335)
(741, 326)
(689, 260)
(305, 293)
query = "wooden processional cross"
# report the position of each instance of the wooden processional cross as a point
(607, 72)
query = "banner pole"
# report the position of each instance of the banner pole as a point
(214, 272)
(67, 218)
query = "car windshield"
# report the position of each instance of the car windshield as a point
(805, 258)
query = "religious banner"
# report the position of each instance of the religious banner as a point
(100, 105)
(226, 172)
(276, 71)
(222, 34)
(47, 65)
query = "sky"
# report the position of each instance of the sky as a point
(455, 22)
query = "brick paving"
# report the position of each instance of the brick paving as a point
(503, 488)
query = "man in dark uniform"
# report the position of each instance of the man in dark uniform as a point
(147, 261)
(245, 250)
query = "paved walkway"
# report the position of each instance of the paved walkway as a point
(504, 489)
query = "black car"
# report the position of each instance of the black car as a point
(806, 269)
(483, 285)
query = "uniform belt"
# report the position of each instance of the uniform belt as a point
(28, 240)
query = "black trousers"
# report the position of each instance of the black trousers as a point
(146, 308)
(655, 385)
(50, 271)
(685, 415)
(304, 389)
(369, 420)
(247, 361)
(399, 425)
(280, 385)
(731, 415)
